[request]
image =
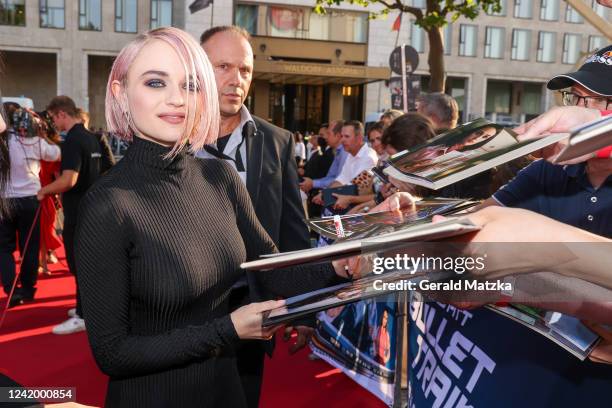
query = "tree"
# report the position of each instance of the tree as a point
(432, 20)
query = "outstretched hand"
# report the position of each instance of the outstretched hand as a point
(560, 119)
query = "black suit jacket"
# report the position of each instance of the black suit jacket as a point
(272, 182)
(319, 164)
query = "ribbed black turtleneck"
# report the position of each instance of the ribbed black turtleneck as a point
(159, 244)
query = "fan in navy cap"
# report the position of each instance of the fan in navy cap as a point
(591, 85)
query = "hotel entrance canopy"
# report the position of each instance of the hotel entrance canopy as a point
(303, 73)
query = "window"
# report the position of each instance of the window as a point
(549, 10)
(571, 48)
(501, 12)
(494, 42)
(572, 16)
(531, 99)
(448, 38)
(161, 13)
(246, 17)
(318, 27)
(417, 37)
(468, 35)
(12, 12)
(499, 97)
(126, 16)
(90, 15)
(52, 14)
(523, 8)
(596, 42)
(349, 27)
(302, 22)
(521, 44)
(546, 46)
(600, 10)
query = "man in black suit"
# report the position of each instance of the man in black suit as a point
(263, 155)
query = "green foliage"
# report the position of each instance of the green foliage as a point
(435, 16)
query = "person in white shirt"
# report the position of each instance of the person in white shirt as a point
(26, 150)
(312, 147)
(361, 157)
(300, 149)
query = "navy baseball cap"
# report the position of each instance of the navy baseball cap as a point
(595, 74)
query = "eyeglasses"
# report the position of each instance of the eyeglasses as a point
(595, 102)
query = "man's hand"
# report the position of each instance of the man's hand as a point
(306, 185)
(363, 207)
(304, 333)
(342, 201)
(602, 353)
(395, 202)
(560, 119)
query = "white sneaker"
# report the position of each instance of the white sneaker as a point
(72, 325)
(72, 312)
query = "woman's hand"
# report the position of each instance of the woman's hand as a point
(353, 268)
(41, 194)
(248, 319)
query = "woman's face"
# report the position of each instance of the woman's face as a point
(157, 94)
(375, 138)
(480, 135)
(2, 124)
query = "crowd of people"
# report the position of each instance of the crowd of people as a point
(51, 152)
(156, 240)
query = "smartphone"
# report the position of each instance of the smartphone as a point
(378, 173)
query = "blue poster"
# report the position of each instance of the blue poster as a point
(359, 338)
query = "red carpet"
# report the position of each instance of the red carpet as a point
(33, 356)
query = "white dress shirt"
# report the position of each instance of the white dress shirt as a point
(300, 150)
(365, 159)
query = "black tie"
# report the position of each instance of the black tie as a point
(247, 130)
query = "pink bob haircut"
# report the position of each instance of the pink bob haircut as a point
(202, 126)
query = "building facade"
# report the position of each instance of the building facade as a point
(54, 47)
(309, 68)
(498, 64)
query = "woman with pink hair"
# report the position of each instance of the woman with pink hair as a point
(161, 237)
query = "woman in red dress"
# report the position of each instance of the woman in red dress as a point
(49, 241)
